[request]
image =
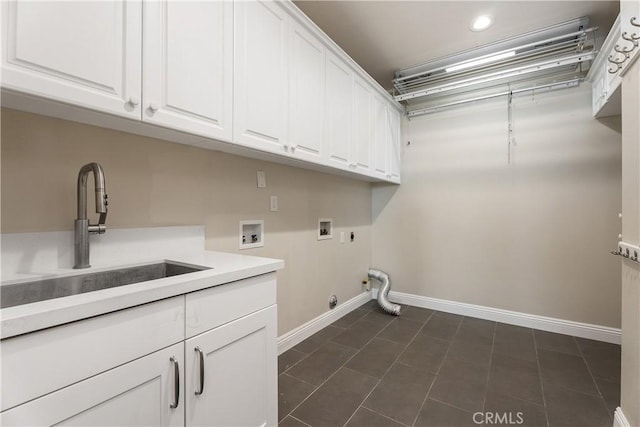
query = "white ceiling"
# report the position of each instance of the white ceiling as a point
(385, 36)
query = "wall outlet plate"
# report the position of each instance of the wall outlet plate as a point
(251, 234)
(325, 228)
(262, 179)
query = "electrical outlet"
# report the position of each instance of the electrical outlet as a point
(342, 239)
(262, 179)
(274, 203)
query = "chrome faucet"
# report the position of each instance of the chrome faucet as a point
(81, 225)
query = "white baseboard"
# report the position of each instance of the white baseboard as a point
(567, 327)
(619, 420)
(302, 332)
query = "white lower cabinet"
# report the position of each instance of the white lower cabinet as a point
(207, 358)
(231, 377)
(138, 393)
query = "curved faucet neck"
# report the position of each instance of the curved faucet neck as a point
(98, 178)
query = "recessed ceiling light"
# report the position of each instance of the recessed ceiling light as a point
(481, 23)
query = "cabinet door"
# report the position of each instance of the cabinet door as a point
(188, 66)
(598, 92)
(393, 168)
(339, 109)
(82, 53)
(238, 371)
(380, 131)
(260, 83)
(138, 393)
(306, 94)
(362, 127)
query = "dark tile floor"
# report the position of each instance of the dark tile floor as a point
(429, 368)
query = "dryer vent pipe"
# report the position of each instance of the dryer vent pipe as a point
(383, 293)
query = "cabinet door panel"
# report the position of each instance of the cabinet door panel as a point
(260, 84)
(362, 131)
(380, 135)
(339, 107)
(240, 373)
(138, 393)
(83, 53)
(188, 66)
(306, 94)
(232, 301)
(394, 142)
(40, 362)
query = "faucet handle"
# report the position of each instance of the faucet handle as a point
(97, 228)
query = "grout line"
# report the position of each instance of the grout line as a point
(301, 359)
(593, 378)
(426, 397)
(544, 399)
(450, 405)
(388, 340)
(389, 368)
(298, 419)
(382, 415)
(493, 343)
(584, 359)
(336, 371)
(298, 379)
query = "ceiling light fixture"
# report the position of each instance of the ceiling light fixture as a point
(481, 23)
(480, 61)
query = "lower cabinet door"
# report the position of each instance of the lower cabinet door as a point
(139, 393)
(232, 373)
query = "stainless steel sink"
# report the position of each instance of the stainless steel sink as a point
(40, 290)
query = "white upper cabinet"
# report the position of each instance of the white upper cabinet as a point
(260, 81)
(188, 66)
(81, 53)
(386, 141)
(306, 94)
(362, 143)
(339, 109)
(394, 145)
(254, 73)
(379, 137)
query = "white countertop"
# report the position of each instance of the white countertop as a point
(222, 268)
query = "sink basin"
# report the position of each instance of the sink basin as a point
(40, 290)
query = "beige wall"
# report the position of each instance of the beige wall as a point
(533, 236)
(156, 183)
